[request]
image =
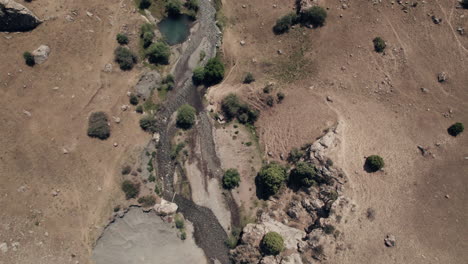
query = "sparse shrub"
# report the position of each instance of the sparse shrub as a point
(125, 58)
(139, 109)
(173, 8)
(303, 175)
(270, 179)
(329, 229)
(295, 155)
(455, 129)
(133, 99)
(280, 96)
(169, 81)
(185, 116)
(176, 150)
(126, 169)
(272, 244)
(270, 101)
(267, 89)
(329, 162)
(284, 23)
(213, 72)
(147, 200)
(158, 53)
(249, 78)
(198, 75)
(370, 214)
(130, 189)
(98, 125)
(231, 179)
(144, 4)
(192, 5)
(232, 108)
(122, 39)
(29, 58)
(148, 123)
(374, 163)
(183, 235)
(379, 44)
(314, 16)
(179, 222)
(151, 178)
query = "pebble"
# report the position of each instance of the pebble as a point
(390, 241)
(244, 6)
(4, 247)
(116, 144)
(447, 196)
(242, 42)
(329, 99)
(65, 151)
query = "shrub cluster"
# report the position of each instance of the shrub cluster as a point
(146, 34)
(285, 22)
(211, 74)
(231, 179)
(280, 96)
(168, 83)
(173, 8)
(147, 200)
(374, 163)
(125, 58)
(464, 4)
(192, 6)
(29, 59)
(455, 129)
(98, 125)
(270, 179)
(314, 16)
(304, 175)
(249, 78)
(148, 123)
(158, 53)
(185, 117)
(272, 244)
(295, 155)
(130, 189)
(232, 108)
(122, 39)
(379, 44)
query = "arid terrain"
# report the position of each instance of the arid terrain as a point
(59, 187)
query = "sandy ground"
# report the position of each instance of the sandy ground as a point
(142, 238)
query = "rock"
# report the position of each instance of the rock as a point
(108, 67)
(294, 258)
(244, 6)
(156, 137)
(41, 54)
(89, 14)
(147, 82)
(117, 119)
(69, 18)
(442, 77)
(329, 99)
(242, 42)
(65, 151)
(461, 31)
(14, 246)
(124, 107)
(270, 153)
(15, 17)
(424, 90)
(27, 113)
(447, 196)
(436, 20)
(4, 247)
(116, 144)
(165, 208)
(280, 52)
(390, 241)
(55, 193)
(245, 254)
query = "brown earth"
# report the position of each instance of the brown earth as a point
(379, 100)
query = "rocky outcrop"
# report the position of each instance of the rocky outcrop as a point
(148, 82)
(165, 208)
(41, 54)
(15, 17)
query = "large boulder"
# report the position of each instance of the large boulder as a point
(165, 208)
(147, 83)
(41, 54)
(15, 17)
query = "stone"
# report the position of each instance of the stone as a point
(442, 77)
(280, 52)
(165, 208)
(269, 260)
(124, 107)
(329, 99)
(244, 6)
(14, 246)
(54, 193)
(15, 17)
(41, 54)
(242, 42)
(27, 113)
(108, 67)
(116, 144)
(65, 151)
(117, 119)
(89, 14)
(4, 247)
(461, 31)
(390, 241)
(156, 137)
(436, 20)
(148, 81)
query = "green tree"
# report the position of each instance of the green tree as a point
(214, 72)
(314, 16)
(125, 58)
(455, 129)
(29, 59)
(148, 39)
(133, 99)
(148, 123)
(284, 23)
(122, 39)
(303, 175)
(159, 53)
(270, 179)
(374, 163)
(231, 179)
(98, 125)
(185, 116)
(173, 8)
(198, 75)
(230, 106)
(272, 244)
(379, 44)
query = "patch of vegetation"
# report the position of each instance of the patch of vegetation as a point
(147, 200)
(122, 39)
(233, 107)
(370, 214)
(148, 123)
(173, 8)
(455, 129)
(144, 4)
(214, 72)
(168, 82)
(147, 34)
(272, 244)
(192, 5)
(158, 53)
(303, 175)
(231, 179)
(125, 58)
(179, 222)
(280, 96)
(285, 22)
(29, 59)
(126, 170)
(185, 117)
(249, 78)
(98, 125)
(329, 229)
(269, 180)
(314, 16)
(379, 44)
(133, 99)
(176, 150)
(233, 239)
(295, 155)
(130, 189)
(198, 75)
(270, 101)
(374, 163)
(139, 109)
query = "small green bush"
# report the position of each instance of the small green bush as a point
(455, 129)
(176, 150)
(270, 101)
(98, 125)
(126, 170)
(173, 8)
(179, 222)
(270, 179)
(158, 53)
(329, 229)
(280, 96)
(148, 123)
(122, 39)
(374, 163)
(133, 99)
(185, 117)
(29, 59)
(125, 58)
(139, 109)
(272, 244)
(314, 16)
(231, 179)
(213, 72)
(295, 155)
(148, 39)
(303, 175)
(379, 44)
(183, 235)
(249, 78)
(144, 4)
(198, 75)
(169, 82)
(130, 189)
(284, 23)
(147, 200)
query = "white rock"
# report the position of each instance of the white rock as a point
(242, 42)
(4, 247)
(108, 67)
(41, 54)
(116, 144)
(116, 119)
(165, 208)
(124, 107)
(27, 113)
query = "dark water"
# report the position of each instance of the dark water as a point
(175, 29)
